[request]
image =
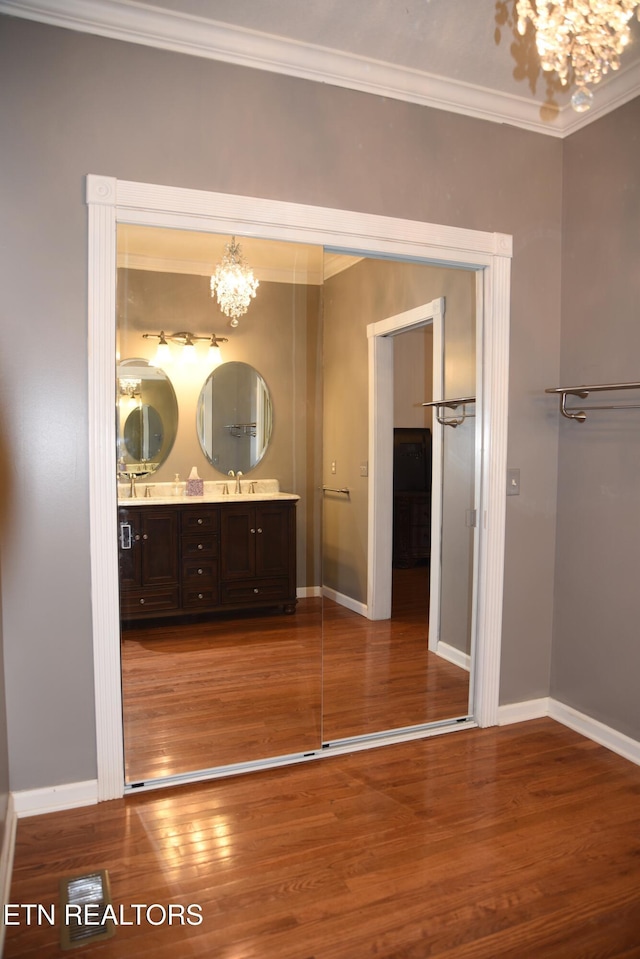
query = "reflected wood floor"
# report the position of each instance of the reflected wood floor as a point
(257, 686)
(381, 675)
(519, 842)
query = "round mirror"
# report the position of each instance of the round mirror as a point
(147, 416)
(234, 417)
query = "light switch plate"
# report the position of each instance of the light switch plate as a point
(513, 482)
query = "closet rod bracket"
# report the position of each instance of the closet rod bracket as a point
(583, 392)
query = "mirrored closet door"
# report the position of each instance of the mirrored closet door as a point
(243, 520)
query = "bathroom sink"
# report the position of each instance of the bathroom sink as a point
(163, 493)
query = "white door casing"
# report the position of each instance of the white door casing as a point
(111, 201)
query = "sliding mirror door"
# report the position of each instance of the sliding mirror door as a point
(390, 674)
(220, 609)
(245, 632)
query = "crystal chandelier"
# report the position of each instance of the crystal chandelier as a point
(233, 283)
(585, 36)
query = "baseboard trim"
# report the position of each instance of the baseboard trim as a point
(453, 655)
(591, 728)
(522, 712)
(6, 861)
(35, 802)
(347, 601)
(305, 592)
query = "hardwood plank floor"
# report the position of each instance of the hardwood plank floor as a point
(520, 842)
(258, 686)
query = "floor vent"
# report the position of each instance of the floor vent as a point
(83, 902)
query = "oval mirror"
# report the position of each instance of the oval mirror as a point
(234, 417)
(147, 416)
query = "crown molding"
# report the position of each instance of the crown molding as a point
(196, 36)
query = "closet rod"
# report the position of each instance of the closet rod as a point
(583, 392)
(452, 405)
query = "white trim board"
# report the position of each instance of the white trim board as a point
(203, 37)
(343, 600)
(453, 655)
(35, 802)
(591, 728)
(111, 201)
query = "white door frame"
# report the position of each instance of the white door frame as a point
(381, 422)
(111, 201)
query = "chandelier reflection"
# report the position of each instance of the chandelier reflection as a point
(582, 37)
(233, 283)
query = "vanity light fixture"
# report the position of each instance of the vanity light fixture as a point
(163, 353)
(188, 355)
(584, 37)
(188, 340)
(214, 356)
(233, 283)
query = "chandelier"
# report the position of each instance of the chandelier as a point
(233, 283)
(584, 36)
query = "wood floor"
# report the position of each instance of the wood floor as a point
(258, 686)
(519, 842)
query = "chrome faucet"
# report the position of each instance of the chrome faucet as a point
(238, 487)
(133, 492)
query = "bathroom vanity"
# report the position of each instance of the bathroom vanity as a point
(179, 556)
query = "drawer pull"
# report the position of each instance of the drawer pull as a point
(200, 546)
(256, 590)
(259, 529)
(142, 602)
(253, 530)
(145, 536)
(199, 572)
(200, 596)
(199, 522)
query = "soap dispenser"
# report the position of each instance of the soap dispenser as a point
(177, 489)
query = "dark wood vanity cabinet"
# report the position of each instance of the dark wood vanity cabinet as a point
(175, 561)
(257, 560)
(148, 561)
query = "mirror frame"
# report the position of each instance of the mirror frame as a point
(110, 201)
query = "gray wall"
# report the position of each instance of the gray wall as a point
(73, 104)
(596, 649)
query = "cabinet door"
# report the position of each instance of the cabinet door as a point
(159, 546)
(129, 548)
(275, 543)
(237, 542)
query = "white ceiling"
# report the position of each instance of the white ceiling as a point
(459, 55)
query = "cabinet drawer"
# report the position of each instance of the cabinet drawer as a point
(256, 591)
(135, 602)
(196, 574)
(195, 520)
(204, 546)
(205, 597)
